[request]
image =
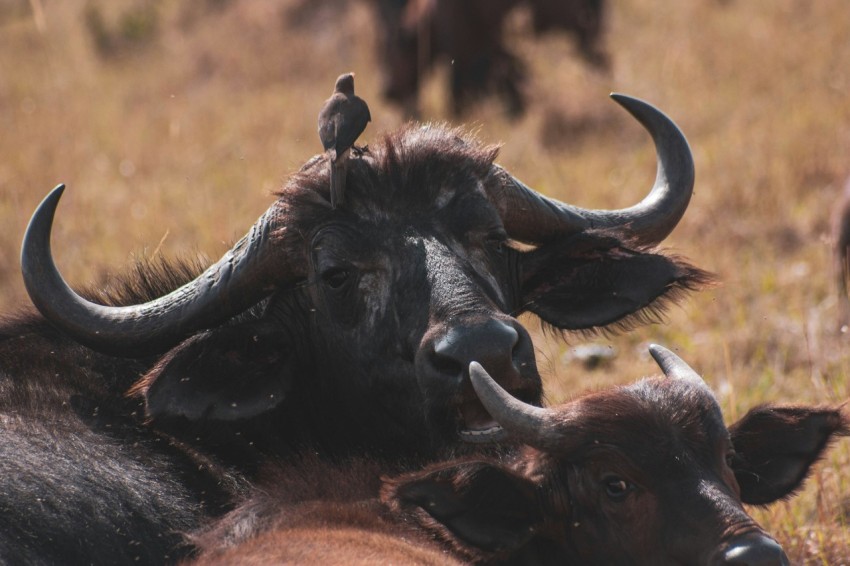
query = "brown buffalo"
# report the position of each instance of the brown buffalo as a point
(417, 35)
(646, 474)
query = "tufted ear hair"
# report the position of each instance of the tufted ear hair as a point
(230, 373)
(593, 279)
(481, 508)
(776, 446)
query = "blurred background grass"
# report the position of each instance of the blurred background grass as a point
(171, 123)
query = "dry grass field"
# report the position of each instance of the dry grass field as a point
(171, 123)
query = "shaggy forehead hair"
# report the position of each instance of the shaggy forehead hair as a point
(405, 171)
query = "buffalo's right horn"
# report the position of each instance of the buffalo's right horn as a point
(531, 425)
(672, 365)
(533, 218)
(240, 279)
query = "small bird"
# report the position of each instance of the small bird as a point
(341, 120)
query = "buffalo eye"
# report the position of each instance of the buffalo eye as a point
(497, 241)
(336, 278)
(730, 458)
(617, 488)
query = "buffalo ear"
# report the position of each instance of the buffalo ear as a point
(230, 373)
(592, 280)
(477, 506)
(776, 446)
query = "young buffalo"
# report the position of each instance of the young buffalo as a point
(642, 474)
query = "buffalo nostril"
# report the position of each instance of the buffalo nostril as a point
(752, 550)
(446, 364)
(492, 344)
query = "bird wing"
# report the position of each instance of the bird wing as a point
(329, 121)
(327, 132)
(353, 119)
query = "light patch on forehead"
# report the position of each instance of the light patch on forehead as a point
(449, 192)
(445, 196)
(375, 288)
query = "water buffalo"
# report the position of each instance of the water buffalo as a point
(343, 330)
(641, 474)
(416, 35)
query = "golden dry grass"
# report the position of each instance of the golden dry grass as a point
(174, 144)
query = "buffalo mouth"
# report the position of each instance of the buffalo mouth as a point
(477, 426)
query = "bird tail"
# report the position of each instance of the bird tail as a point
(338, 174)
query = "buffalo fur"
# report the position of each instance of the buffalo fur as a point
(311, 512)
(81, 479)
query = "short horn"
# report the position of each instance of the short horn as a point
(240, 279)
(533, 218)
(672, 365)
(529, 424)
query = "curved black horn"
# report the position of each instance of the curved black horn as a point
(532, 425)
(672, 365)
(236, 282)
(533, 218)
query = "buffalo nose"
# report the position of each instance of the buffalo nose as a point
(495, 344)
(753, 550)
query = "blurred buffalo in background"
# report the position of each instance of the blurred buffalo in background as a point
(416, 35)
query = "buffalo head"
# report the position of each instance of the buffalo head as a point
(356, 325)
(643, 474)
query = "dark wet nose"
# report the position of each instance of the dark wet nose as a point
(752, 550)
(501, 348)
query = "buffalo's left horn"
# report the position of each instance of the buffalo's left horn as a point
(672, 365)
(531, 425)
(240, 279)
(533, 218)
